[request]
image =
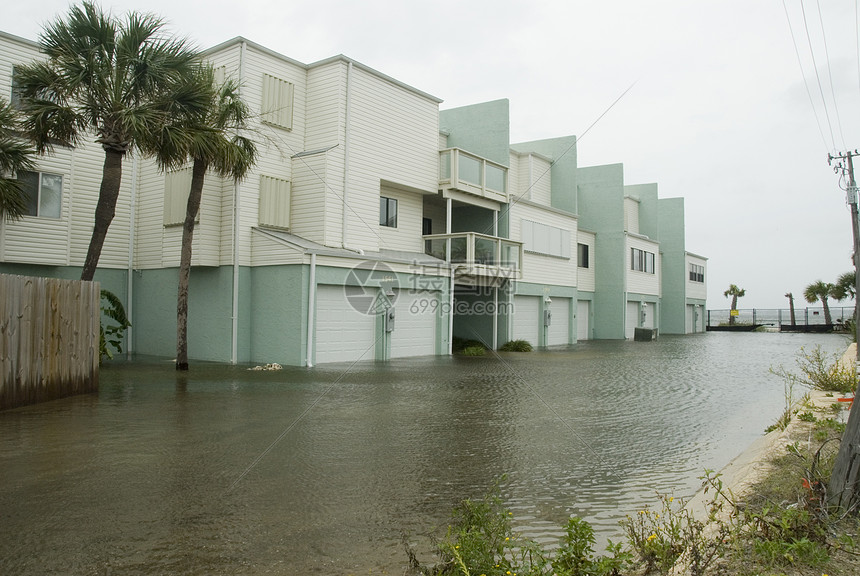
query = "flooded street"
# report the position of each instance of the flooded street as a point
(320, 471)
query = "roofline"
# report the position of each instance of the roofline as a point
(20, 39)
(324, 62)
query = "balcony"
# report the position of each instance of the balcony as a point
(464, 172)
(477, 255)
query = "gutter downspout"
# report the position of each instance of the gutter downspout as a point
(312, 292)
(346, 147)
(451, 313)
(130, 281)
(234, 352)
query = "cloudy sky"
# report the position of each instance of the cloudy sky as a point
(726, 108)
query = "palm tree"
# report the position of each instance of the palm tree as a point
(105, 77)
(210, 138)
(14, 157)
(820, 291)
(790, 297)
(844, 287)
(735, 293)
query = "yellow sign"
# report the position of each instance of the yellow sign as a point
(735, 313)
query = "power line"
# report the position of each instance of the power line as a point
(830, 75)
(803, 76)
(817, 76)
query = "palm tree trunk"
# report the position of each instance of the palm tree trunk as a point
(105, 210)
(191, 210)
(827, 319)
(734, 307)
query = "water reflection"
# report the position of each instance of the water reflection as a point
(229, 471)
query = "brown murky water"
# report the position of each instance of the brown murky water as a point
(230, 471)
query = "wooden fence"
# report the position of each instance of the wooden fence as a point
(49, 339)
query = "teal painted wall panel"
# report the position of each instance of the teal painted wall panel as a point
(674, 270)
(279, 314)
(209, 313)
(483, 129)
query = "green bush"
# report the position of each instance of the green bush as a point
(474, 351)
(516, 346)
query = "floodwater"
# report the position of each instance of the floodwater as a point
(320, 471)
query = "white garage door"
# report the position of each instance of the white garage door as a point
(632, 321)
(583, 307)
(415, 323)
(559, 329)
(342, 333)
(526, 320)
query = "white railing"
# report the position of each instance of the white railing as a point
(477, 254)
(459, 170)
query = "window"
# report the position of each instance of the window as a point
(544, 239)
(582, 255)
(387, 212)
(277, 102)
(642, 261)
(697, 273)
(44, 193)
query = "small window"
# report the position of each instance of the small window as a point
(387, 212)
(15, 97)
(426, 226)
(697, 273)
(582, 255)
(642, 261)
(44, 193)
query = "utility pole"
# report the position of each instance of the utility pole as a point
(843, 480)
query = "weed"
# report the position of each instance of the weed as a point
(822, 373)
(474, 351)
(516, 346)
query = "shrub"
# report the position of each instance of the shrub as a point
(516, 346)
(822, 373)
(474, 351)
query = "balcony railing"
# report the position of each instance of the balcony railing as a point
(475, 254)
(459, 170)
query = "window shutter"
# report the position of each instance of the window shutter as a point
(274, 202)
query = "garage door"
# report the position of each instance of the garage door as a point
(558, 333)
(526, 319)
(415, 324)
(342, 333)
(632, 321)
(583, 309)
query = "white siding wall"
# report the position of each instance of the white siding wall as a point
(541, 182)
(393, 136)
(314, 209)
(631, 215)
(696, 289)
(585, 280)
(269, 252)
(37, 239)
(276, 146)
(545, 269)
(643, 282)
(407, 235)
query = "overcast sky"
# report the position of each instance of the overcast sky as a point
(719, 111)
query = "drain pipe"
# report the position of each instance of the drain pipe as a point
(130, 281)
(234, 352)
(346, 147)
(451, 313)
(312, 292)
